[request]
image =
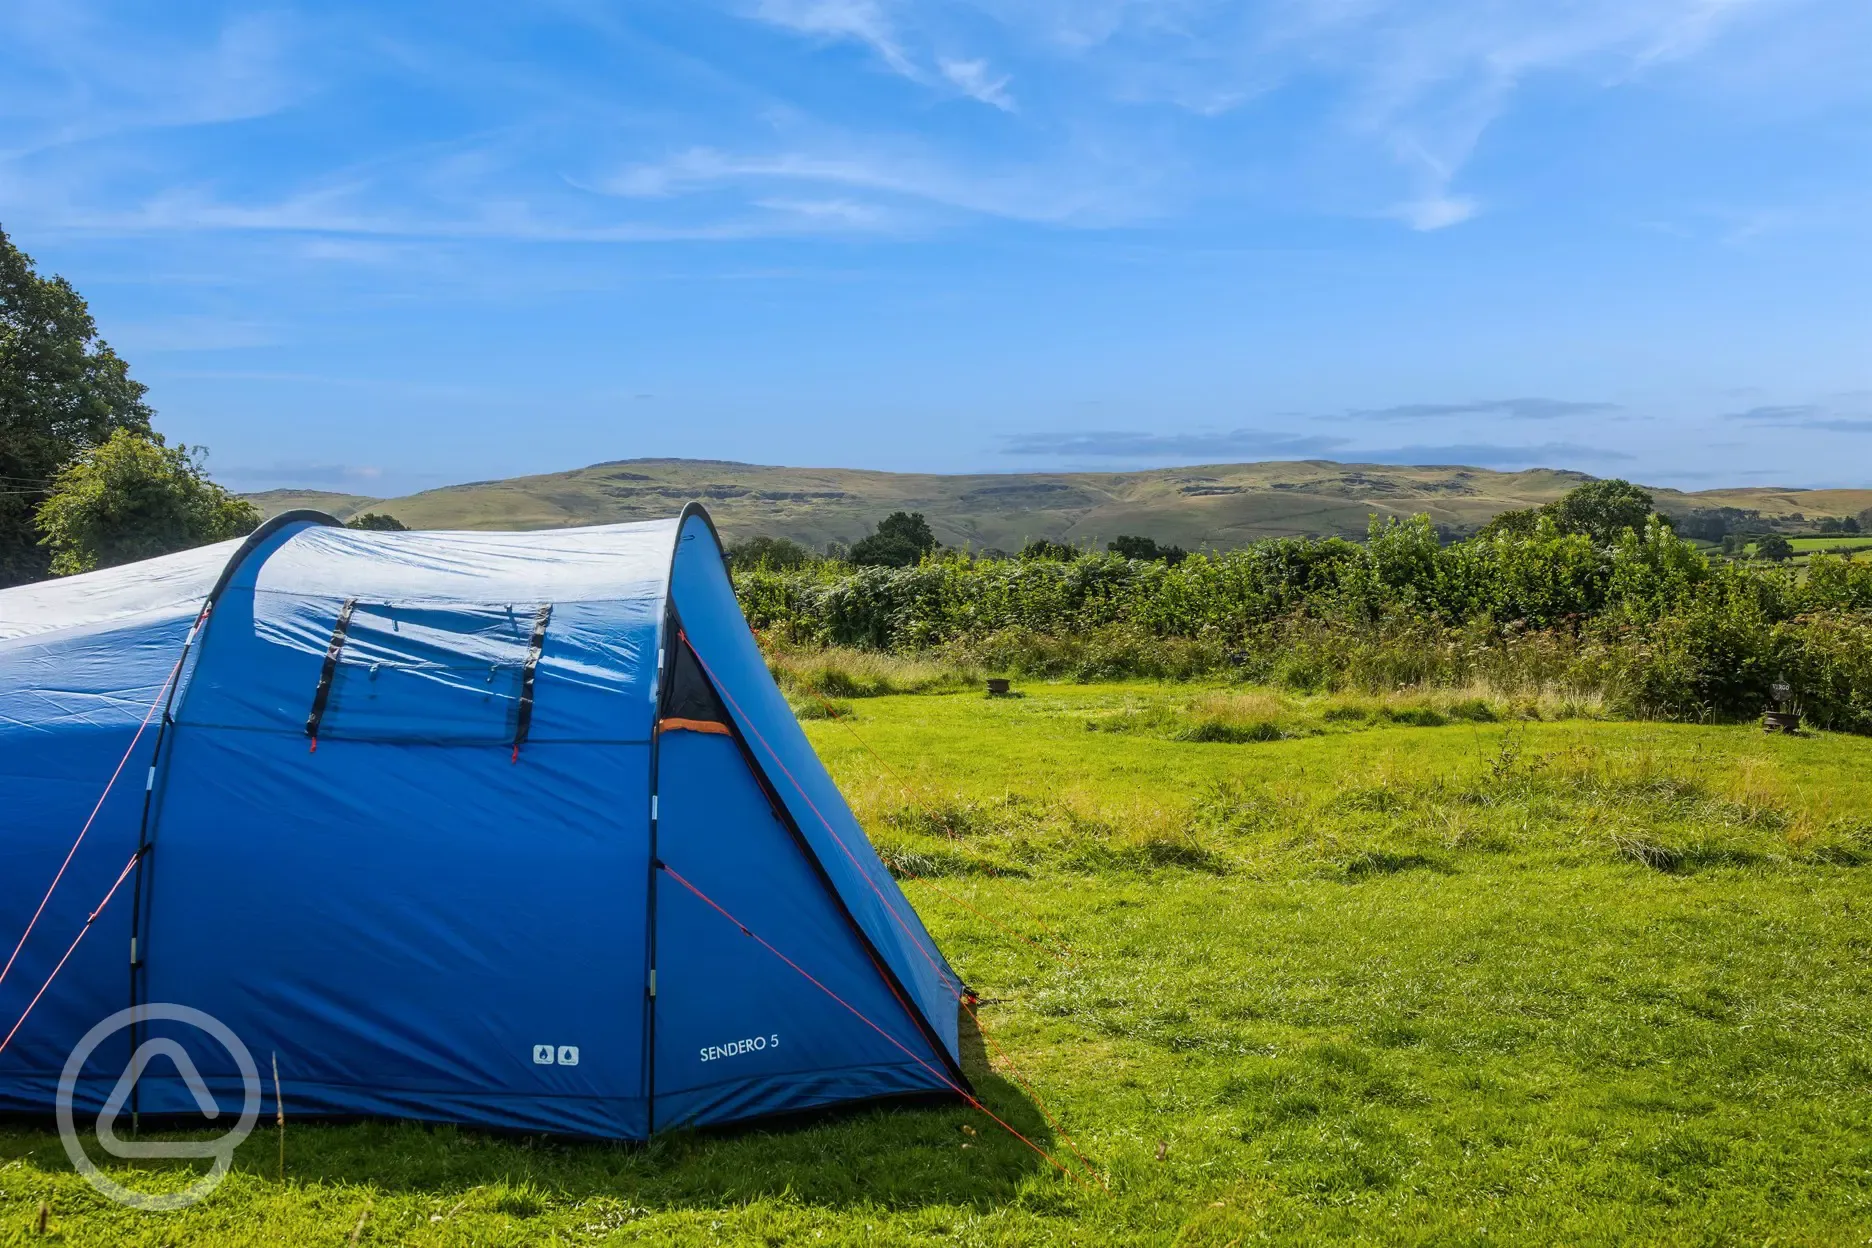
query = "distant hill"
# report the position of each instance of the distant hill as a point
(1216, 505)
(344, 506)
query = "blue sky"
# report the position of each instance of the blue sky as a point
(378, 247)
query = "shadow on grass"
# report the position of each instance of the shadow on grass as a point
(1374, 863)
(902, 1154)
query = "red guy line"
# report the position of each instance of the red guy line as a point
(161, 692)
(121, 877)
(959, 1090)
(1027, 1084)
(1062, 952)
(862, 873)
(1064, 949)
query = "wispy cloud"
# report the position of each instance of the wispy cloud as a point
(1398, 96)
(1822, 417)
(867, 22)
(1427, 82)
(1436, 211)
(861, 20)
(1129, 444)
(1792, 413)
(837, 211)
(1498, 455)
(1416, 85)
(977, 82)
(1253, 444)
(1512, 409)
(68, 76)
(1020, 194)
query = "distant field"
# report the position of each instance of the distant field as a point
(1387, 971)
(1220, 505)
(1806, 547)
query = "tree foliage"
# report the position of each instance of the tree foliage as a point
(1603, 510)
(63, 392)
(134, 498)
(902, 540)
(1775, 548)
(763, 551)
(1057, 552)
(1715, 524)
(1599, 510)
(1147, 549)
(376, 520)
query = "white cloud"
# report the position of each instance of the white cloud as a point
(1417, 85)
(838, 211)
(975, 81)
(1024, 194)
(68, 77)
(861, 20)
(1127, 109)
(1435, 212)
(868, 23)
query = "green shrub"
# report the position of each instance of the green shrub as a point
(1827, 660)
(1639, 619)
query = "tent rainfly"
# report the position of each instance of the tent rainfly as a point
(504, 829)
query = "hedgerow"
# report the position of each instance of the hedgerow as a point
(1645, 622)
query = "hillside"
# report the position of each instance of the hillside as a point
(1209, 505)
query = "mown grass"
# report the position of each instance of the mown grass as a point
(1495, 979)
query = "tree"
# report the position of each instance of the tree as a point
(1053, 552)
(1603, 510)
(1147, 549)
(1774, 547)
(63, 391)
(378, 521)
(1512, 523)
(902, 539)
(132, 498)
(1712, 524)
(779, 553)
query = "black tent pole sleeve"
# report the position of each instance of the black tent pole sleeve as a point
(330, 669)
(525, 719)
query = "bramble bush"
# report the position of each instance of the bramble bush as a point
(1644, 621)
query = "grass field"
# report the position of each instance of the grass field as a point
(1454, 972)
(1806, 547)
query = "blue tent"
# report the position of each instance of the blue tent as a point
(506, 829)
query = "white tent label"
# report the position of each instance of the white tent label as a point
(753, 1044)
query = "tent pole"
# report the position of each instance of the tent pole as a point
(137, 951)
(663, 673)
